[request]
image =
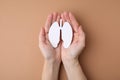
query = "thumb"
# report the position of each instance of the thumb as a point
(42, 35)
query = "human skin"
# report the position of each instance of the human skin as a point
(69, 56)
(52, 55)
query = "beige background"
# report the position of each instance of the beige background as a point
(20, 22)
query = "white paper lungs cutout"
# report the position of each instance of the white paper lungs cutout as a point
(66, 35)
(54, 34)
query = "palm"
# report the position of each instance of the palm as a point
(49, 51)
(75, 48)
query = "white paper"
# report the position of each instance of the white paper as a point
(66, 33)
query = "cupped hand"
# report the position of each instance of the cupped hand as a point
(49, 53)
(78, 42)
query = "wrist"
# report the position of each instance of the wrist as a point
(70, 62)
(52, 62)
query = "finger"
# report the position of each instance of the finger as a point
(48, 22)
(74, 22)
(54, 16)
(66, 15)
(63, 18)
(81, 33)
(42, 35)
(58, 18)
(81, 38)
(59, 45)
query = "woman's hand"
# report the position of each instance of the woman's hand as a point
(78, 42)
(52, 55)
(70, 55)
(49, 53)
